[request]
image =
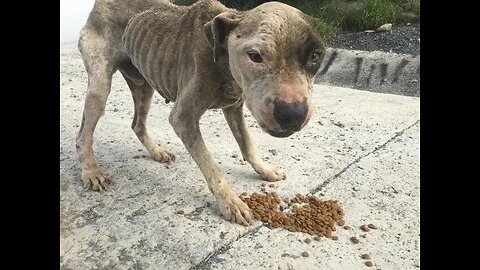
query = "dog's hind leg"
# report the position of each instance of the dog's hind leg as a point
(100, 69)
(142, 94)
(236, 121)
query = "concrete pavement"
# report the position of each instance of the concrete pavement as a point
(360, 148)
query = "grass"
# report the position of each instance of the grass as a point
(414, 5)
(335, 16)
(376, 13)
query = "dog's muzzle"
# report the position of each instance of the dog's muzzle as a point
(289, 118)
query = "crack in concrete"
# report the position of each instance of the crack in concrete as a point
(65, 253)
(206, 263)
(328, 181)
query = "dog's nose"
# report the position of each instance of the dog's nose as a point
(290, 116)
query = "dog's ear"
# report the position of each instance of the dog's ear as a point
(217, 31)
(313, 22)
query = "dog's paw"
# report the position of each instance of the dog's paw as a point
(162, 155)
(94, 180)
(271, 173)
(235, 210)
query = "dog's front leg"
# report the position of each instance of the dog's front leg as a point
(236, 121)
(185, 122)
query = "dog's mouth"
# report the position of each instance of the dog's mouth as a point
(278, 133)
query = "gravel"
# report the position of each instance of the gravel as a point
(401, 39)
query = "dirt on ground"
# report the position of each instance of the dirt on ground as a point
(401, 39)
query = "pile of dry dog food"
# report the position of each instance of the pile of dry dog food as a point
(307, 214)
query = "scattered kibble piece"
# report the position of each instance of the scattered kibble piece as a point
(364, 228)
(354, 240)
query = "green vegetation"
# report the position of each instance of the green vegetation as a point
(334, 16)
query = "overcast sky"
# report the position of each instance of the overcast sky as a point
(73, 15)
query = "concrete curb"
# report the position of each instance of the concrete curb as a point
(375, 71)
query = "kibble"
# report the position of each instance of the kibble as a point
(271, 185)
(316, 238)
(304, 213)
(354, 240)
(364, 228)
(341, 222)
(305, 254)
(346, 227)
(365, 257)
(180, 212)
(308, 240)
(369, 263)
(371, 226)
(335, 237)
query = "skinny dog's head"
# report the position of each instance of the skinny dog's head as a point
(273, 53)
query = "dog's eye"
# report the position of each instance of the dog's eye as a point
(315, 58)
(255, 56)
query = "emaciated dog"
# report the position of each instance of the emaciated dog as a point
(201, 57)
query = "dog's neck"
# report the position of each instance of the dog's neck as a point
(232, 92)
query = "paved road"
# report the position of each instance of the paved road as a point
(360, 148)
